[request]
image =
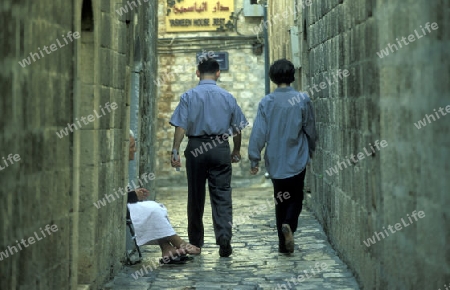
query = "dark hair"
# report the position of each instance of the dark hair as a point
(208, 66)
(282, 71)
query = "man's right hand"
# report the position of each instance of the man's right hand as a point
(174, 162)
(235, 156)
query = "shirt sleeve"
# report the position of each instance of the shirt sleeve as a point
(238, 120)
(309, 125)
(257, 137)
(180, 115)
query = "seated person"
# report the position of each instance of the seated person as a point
(152, 225)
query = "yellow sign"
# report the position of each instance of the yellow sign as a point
(200, 15)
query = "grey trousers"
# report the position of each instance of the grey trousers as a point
(208, 160)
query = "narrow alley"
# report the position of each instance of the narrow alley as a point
(108, 106)
(255, 262)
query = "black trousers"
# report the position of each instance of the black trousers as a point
(208, 160)
(287, 210)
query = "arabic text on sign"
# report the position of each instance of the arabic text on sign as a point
(219, 7)
(195, 8)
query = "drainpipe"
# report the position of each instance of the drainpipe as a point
(265, 4)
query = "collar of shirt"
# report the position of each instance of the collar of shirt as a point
(207, 82)
(284, 90)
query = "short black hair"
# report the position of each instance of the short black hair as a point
(208, 65)
(282, 71)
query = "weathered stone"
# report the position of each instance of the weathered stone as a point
(61, 176)
(382, 98)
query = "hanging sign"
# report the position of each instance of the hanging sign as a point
(197, 15)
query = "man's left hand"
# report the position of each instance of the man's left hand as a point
(235, 156)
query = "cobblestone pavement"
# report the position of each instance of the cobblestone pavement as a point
(255, 262)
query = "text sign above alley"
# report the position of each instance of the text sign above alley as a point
(191, 15)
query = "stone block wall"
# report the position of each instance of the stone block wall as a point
(58, 179)
(147, 35)
(380, 98)
(343, 36)
(100, 158)
(413, 83)
(37, 190)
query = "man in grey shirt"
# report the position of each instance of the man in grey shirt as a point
(208, 115)
(285, 125)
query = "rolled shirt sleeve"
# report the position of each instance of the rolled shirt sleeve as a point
(238, 120)
(180, 115)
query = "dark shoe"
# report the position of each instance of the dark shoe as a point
(225, 247)
(282, 250)
(176, 260)
(185, 258)
(289, 238)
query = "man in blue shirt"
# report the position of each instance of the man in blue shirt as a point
(208, 115)
(285, 125)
